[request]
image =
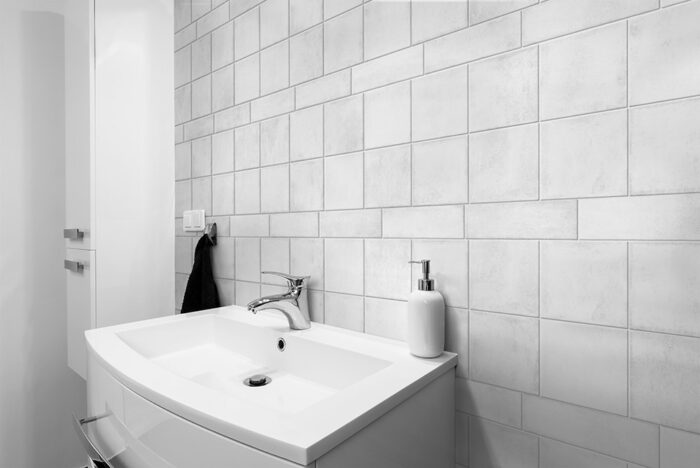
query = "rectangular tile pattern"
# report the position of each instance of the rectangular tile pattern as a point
(542, 153)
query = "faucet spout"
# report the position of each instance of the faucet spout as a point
(293, 304)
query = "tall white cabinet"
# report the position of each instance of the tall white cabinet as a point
(119, 165)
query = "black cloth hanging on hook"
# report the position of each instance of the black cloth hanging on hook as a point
(201, 292)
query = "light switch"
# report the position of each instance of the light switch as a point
(193, 220)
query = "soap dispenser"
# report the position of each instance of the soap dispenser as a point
(426, 317)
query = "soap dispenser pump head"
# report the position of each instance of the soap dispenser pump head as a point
(425, 283)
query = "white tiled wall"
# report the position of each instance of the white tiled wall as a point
(544, 154)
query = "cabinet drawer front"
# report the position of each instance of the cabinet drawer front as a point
(80, 304)
(160, 438)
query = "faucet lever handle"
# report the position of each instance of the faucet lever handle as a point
(292, 280)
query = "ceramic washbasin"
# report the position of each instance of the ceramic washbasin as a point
(326, 383)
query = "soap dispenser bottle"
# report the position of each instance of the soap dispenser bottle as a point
(426, 317)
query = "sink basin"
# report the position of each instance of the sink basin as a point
(325, 383)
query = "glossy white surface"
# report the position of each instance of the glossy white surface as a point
(326, 385)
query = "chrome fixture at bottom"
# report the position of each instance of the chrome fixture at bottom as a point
(294, 303)
(258, 380)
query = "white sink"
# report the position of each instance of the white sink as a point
(327, 383)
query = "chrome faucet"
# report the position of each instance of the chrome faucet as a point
(294, 303)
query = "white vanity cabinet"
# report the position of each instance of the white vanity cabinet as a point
(119, 194)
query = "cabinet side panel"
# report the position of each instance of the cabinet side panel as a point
(134, 159)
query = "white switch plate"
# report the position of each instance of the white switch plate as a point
(193, 220)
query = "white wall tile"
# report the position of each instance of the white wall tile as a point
(457, 337)
(387, 119)
(482, 10)
(274, 68)
(493, 37)
(306, 185)
(274, 141)
(387, 27)
(222, 46)
(274, 21)
(663, 287)
(184, 253)
(665, 379)
(504, 350)
(274, 256)
(435, 18)
(351, 223)
(232, 117)
(201, 157)
(227, 291)
(492, 444)
(429, 222)
(201, 97)
(274, 189)
(183, 104)
(246, 292)
(504, 276)
(440, 171)
(247, 146)
(250, 225)
(213, 20)
(584, 156)
(306, 133)
(183, 66)
(183, 196)
(303, 14)
(183, 161)
(679, 449)
(523, 220)
(663, 60)
(559, 17)
(247, 259)
(664, 141)
(306, 55)
(223, 258)
(584, 282)
(503, 90)
(384, 317)
(183, 13)
(343, 125)
(334, 7)
(344, 311)
(272, 105)
(449, 267)
(584, 364)
(504, 164)
(247, 82)
(585, 72)
(201, 57)
(555, 455)
(388, 69)
(388, 177)
(387, 271)
(247, 192)
(343, 182)
(342, 41)
(201, 194)
(294, 225)
(199, 127)
(246, 30)
(222, 88)
(343, 265)
(654, 217)
(306, 259)
(185, 36)
(222, 194)
(440, 104)
(494, 403)
(606, 433)
(222, 152)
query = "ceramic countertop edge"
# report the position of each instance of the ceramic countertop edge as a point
(301, 437)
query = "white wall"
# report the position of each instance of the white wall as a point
(544, 154)
(37, 391)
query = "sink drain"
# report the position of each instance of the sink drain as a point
(258, 380)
